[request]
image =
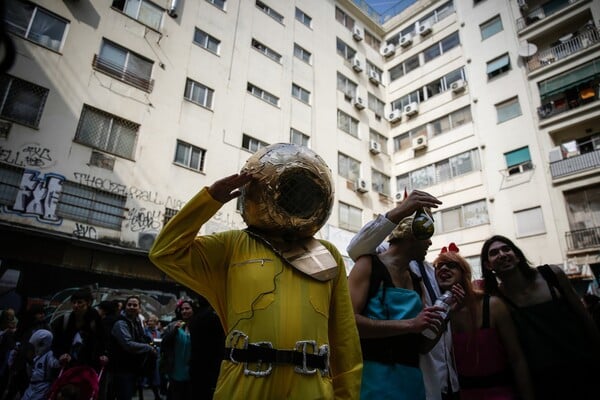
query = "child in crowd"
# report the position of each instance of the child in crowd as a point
(45, 366)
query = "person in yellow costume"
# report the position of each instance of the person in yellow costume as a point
(281, 295)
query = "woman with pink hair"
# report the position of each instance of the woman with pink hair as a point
(489, 359)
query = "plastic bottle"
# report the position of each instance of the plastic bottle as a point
(444, 302)
(422, 226)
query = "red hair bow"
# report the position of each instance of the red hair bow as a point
(451, 247)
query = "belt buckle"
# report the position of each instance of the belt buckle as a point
(234, 339)
(301, 346)
(259, 372)
(324, 352)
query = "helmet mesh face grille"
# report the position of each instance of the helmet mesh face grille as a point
(300, 194)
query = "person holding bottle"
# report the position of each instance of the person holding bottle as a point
(489, 358)
(387, 298)
(437, 366)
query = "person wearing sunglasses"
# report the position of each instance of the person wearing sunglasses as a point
(489, 359)
(559, 339)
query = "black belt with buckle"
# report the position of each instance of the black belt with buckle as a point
(256, 354)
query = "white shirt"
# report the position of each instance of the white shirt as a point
(437, 366)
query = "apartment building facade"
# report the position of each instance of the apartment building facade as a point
(115, 113)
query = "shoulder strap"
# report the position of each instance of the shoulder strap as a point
(485, 315)
(427, 282)
(379, 276)
(551, 279)
(416, 281)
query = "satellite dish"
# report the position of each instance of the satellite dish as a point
(527, 49)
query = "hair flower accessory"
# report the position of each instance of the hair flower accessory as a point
(452, 247)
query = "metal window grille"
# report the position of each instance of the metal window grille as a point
(134, 69)
(91, 206)
(169, 213)
(10, 181)
(107, 132)
(21, 101)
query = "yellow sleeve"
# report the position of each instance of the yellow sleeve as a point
(198, 262)
(346, 356)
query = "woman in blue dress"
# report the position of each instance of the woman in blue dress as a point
(387, 300)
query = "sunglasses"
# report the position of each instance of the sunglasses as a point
(449, 265)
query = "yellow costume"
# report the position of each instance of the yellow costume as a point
(255, 292)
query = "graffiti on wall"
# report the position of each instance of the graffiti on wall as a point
(85, 231)
(29, 155)
(38, 196)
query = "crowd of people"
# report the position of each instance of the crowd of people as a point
(398, 327)
(108, 351)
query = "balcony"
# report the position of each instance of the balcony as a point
(575, 164)
(118, 72)
(567, 46)
(583, 239)
(539, 13)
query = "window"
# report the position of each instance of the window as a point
(189, 156)
(303, 17)
(411, 64)
(251, 144)
(169, 213)
(218, 3)
(380, 182)
(372, 40)
(10, 182)
(206, 41)
(263, 95)
(302, 54)
(379, 138)
(441, 47)
(518, 161)
(299, 138)
(375, 105)
(124, 65)
(498, 66)
(35, 23)
(347, 123)
(91, 206)
(143, 11)
(269, 11)
(463, 216)
(348, 167)
(530, 222)
(344, 19)
(344, 50)
(373, 68)
(508, 110)
(491, 27)
(107, 132)
(198, 93)
(350, 217)
(272, 54)
(22, 102)
(300, 93)
(346, 86)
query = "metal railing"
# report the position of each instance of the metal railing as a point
(573, 165)
(583, 238)
(539, 13)
(117, 72)
(569, 47)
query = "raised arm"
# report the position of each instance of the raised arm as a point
(502, 321)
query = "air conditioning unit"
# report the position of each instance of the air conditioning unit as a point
(458, 86)
(374, 77)
(399, 196)
(361, 186)
(359, 102)
(357, 64)
(395, 116)
(357, 34)
(424, 28)
(419, 142)
(374, 147)
(388, 50)
(556, 154)
(406, 40)
(411, 109)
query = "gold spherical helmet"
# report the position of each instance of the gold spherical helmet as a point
(291, 194)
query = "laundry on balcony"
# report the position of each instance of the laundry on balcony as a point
(587, 94)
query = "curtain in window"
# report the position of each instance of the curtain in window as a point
(150, 15)
(47, 30)
(139, 67)
(113, 55)
(131, 8)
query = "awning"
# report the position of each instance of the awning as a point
(570, 79)
(498, 63)
(517, 157)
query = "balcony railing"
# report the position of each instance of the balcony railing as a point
(566, 48)
(569, 99)
(545, 10)
(117, 72)
(576, 164)
(582, 239)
